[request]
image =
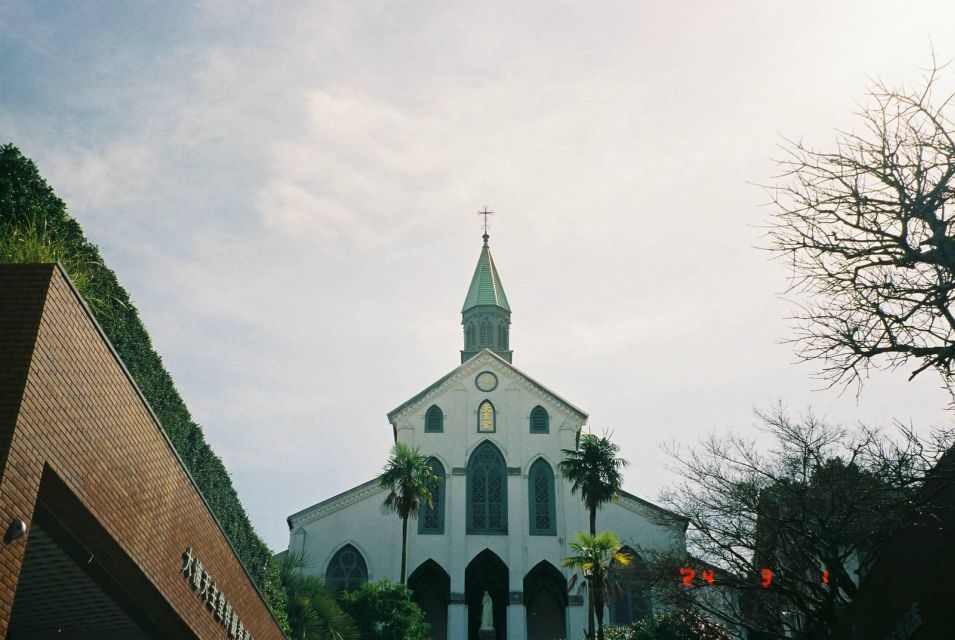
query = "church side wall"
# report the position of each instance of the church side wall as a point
(639, 530)
(361, 523)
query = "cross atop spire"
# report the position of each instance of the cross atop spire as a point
(485, 212)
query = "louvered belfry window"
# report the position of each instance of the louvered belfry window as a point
(470, 336)
(541, 499)
(540, 421)
(487, 491)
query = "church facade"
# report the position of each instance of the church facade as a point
(502, 517)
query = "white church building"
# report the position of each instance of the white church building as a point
(502, 517)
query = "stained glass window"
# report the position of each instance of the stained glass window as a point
(486, 417)
(540, 421)
(487, 491)
(431, 519)
(434, 420)
(347, 569)
(541, 499)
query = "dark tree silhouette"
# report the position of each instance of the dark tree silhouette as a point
(816, 510)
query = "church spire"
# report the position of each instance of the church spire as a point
(486, 316)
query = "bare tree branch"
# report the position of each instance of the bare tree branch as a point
(867, 229)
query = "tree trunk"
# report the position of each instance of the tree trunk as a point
(404, 548)
(599, 608)
(590, 596)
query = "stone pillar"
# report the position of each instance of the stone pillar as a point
(454, 529)
(576, 616)
(516, 617)
(457, 617)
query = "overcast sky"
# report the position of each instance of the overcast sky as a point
(289, 195)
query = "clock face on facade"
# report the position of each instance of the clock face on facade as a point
(486, 381)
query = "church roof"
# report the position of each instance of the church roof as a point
(633, 503)
(336, 502)
(485, 357)
(486, 288)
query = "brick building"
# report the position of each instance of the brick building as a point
(105, 534)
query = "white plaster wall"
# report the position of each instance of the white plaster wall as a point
(513, 400)
(638, 530)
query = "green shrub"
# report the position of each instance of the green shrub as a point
(385, 610)
(670, 625)
(34, 227)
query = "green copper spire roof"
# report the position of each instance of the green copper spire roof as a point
(486, 288)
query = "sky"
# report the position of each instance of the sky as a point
(288, 191)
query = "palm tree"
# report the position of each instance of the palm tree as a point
(593, 468)
(596, 556)
(313, 611)
(408, 478)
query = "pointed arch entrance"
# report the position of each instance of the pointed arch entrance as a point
(431, 586)
(545, 602)
(486, 572)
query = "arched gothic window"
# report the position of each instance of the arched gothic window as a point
(434, 420)
(540, 421)
(540, 497)
(431, 519)
(501, 338)
(487, 491)
(487, 417)
(347, 569)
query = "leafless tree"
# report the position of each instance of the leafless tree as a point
(815, 510)
(867, 228)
